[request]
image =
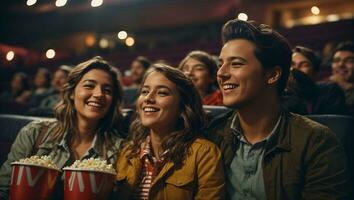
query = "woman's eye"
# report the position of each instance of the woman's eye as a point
(200, 68)
(144, 92)
(163, 93)
(89, 86)
(107, 91)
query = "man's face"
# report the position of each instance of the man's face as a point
(301, 63)
(137, 71)
(343, 66)
(241, 76)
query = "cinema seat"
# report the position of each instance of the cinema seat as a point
(10, 126)
(343, 127)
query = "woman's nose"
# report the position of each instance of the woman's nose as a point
(97, 92)
(149, 98)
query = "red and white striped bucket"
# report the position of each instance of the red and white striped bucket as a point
(32, 182)
(87, 184)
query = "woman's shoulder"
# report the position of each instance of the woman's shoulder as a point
(203, 144)
(38, 124)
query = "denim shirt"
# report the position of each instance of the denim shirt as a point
(59, 152)
(245, 175)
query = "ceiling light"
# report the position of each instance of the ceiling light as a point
(129, 41)
(315, 10)
(104, 43)
(60, 3)
(31, 2)
(122, 35)
(10, 55)
(242, 16)
(50, 53)
(96, 3)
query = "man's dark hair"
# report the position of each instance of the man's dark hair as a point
(145, 62)
(344, 46)
(310, 55)
(272, 49)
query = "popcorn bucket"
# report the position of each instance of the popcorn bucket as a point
(30, 181)
(87, 184)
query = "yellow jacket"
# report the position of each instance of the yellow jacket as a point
(201, 177)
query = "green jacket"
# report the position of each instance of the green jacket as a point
(303, 161)
(200, 177)
(24, 144)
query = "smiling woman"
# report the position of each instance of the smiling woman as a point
(165, 156)
(86, 118)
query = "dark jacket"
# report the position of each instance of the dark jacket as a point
(303, 161)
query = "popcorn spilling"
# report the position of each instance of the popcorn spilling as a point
(45, 161)
(92, 164)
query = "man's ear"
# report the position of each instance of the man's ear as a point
(273, 75)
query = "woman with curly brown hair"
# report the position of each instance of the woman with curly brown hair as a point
(165, 156)
(85, 123)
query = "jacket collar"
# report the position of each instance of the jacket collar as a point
(279, 138)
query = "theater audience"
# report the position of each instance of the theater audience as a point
(318, 98)
(46, 106)
(84, 126)
(42, 84)
(269, 153)
(165, 156)
(58, 81)
(343, 71)
(137, 70)
(14, 99)
(201, 68)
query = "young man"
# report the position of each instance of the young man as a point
(318, 97)
(343, 71)
(270, 153)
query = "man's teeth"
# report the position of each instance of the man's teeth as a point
(150, 109)
(229, 86)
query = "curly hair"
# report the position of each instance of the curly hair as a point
(65, 111)
(189, 124)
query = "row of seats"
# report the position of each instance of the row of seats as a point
(343, 126)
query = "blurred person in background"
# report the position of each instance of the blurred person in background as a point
(137, 70)
(165, 156)
(343, 71)
(42, 87)
(14, 99)
(46, 106)
(319, 98)
(84, 125)
(58, 81)
(325, 67)
(19, 87)
(201, 68)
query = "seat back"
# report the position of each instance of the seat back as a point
(11, 125)
(343, 127)
(213, 111)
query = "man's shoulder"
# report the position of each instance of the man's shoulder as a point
(304, 127)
